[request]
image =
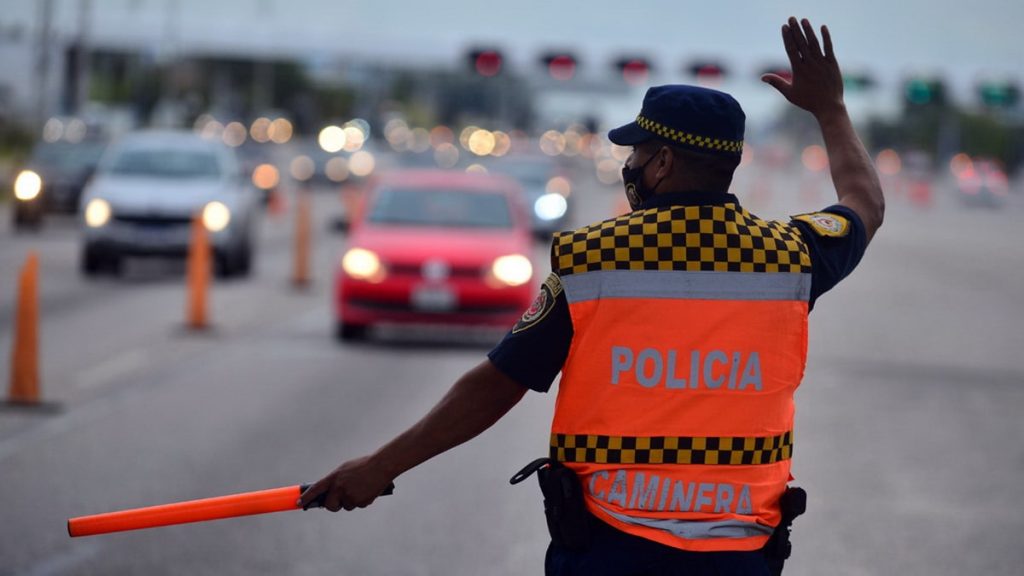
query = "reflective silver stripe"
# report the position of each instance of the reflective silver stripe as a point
(687, 285)
(695, 530)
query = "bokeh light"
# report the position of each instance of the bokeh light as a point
(354, 138)
(331, 139)
(502, 143)
(552, 143)
(265, 176)
(960, 164)
(446, 155)
(337, 169)
(280, 131)
(441, 135)
(888, 162)
(481, 142)
(53, 130)
(559, 185)
(362, 163)
(302, 168)
(814, 158)
(234, 134)
(260, 130)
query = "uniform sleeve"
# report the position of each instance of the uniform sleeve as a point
(837, 240)
(534, 350)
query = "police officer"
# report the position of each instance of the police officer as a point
(680, 330)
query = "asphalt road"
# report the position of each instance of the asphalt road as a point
(909, 438)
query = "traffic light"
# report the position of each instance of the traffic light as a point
(560, 65)
(999, 94)
(486, 61)
(707, 73)
(855, 82)
(921, 91)
(634, 70)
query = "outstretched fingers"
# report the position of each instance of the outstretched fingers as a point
(797, 36)
(790, 44)
(826, 37)
(813, 48)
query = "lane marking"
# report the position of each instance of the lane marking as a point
(108, 370)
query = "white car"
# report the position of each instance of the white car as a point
(145, 192)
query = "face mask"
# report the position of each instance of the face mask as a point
(633, 178)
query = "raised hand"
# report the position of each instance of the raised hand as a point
(817, 84)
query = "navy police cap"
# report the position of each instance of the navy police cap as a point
(700, 119)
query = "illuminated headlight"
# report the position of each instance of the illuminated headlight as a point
(512, 270)
(97, 213)
(216, 216)
(27, 185)
(362, 264)
(550, 206)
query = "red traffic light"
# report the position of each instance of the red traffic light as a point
(707, 73)
(560, 66)
(486, 62)
(634, 70)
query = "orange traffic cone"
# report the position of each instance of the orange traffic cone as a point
(198, 275)
(300, 269)
(275, 203)
(24, 384)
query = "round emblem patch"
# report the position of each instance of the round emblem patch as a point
(828, 223)
(825, 224)
(542, 304)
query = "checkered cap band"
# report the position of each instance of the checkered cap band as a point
(726, 450)
(695, 140)
(689, 238)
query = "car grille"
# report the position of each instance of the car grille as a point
(152, 221)
(402, 307)
(416, 270)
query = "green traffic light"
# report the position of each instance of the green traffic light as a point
(919, 92)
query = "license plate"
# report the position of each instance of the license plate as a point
(433, 299)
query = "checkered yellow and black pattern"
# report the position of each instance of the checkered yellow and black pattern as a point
(671, 450)
(689, 238)
(706, 142)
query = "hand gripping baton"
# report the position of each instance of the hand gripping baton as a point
(228, 506)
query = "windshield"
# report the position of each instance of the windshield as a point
(439, 207)
(166, 164)
(68, 157)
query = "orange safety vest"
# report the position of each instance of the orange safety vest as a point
(675, 406)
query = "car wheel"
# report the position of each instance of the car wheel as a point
(347, 332)
(243, 260)
(94, 261)
(27, 220)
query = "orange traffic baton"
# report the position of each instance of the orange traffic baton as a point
(219, 507)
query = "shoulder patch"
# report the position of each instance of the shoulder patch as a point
(542, 304)
(826, 223)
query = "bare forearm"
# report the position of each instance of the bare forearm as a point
(473, 404)
(853, 173)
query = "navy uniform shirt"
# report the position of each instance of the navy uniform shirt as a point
(533, 352)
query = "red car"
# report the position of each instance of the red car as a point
(432, 246)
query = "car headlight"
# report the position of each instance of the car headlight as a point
(550, 207)
(512, 270)
(97, 213)
(216, 216)
(362, 264)
(27, 185)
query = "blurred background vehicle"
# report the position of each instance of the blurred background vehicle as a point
(547, 189)
(435, 247)
(982, 183)
(147, 189)
(53, 178)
